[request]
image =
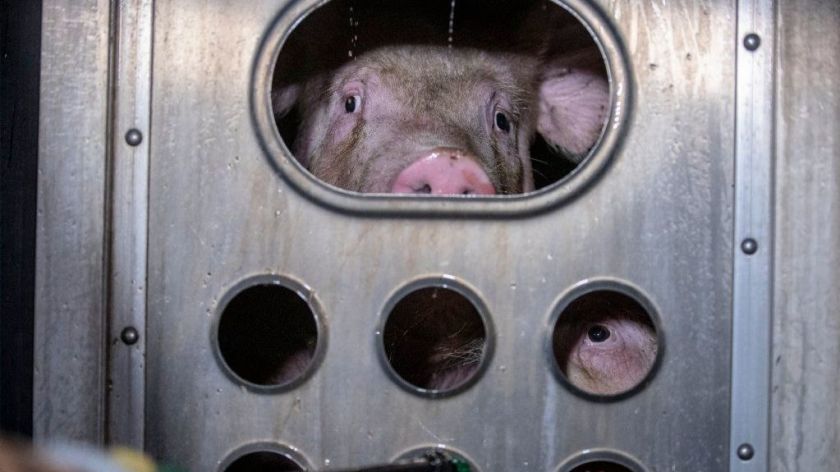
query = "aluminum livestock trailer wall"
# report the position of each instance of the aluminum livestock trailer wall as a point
(182, 248)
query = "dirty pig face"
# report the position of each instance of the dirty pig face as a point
(433, 120)
(419, 120)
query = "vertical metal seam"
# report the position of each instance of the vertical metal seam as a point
(105, 297)
(130, 219)
(150, 10)
(752, 271)
(107, 217)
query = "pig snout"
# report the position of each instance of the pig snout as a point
(444, 171)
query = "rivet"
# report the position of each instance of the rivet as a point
(129, 335)
(749, 246)
(752, 41)
(745, 452)
(133, 137)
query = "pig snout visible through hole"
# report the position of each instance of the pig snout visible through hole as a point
(444, 171)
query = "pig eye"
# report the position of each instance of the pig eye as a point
(502, 122)
(598, 333)
(352, 104)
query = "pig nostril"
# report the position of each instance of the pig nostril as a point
(444, 173)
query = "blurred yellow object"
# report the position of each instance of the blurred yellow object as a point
(132, 461)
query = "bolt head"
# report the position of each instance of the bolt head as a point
(749, 246)
(133, 137)
(745, 452)
(129, 335)
(752, 41)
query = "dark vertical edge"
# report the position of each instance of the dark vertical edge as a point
(20, 64)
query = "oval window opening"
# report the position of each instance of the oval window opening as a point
(441, 98)
(605, 343)
(267, 336)
(435, 340)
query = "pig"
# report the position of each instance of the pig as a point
(605, 344)
(441, 121)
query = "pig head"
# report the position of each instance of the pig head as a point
(434, 120)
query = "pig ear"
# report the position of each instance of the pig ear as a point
(284, 98)
(574, 98)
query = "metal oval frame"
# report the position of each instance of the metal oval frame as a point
(290, 452)
(601, 454)
(307, 295)
(451, 283)
(587, 286)
(582, 177)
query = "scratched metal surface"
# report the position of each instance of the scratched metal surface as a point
(660, 218)
(805, 426)
(70, 359)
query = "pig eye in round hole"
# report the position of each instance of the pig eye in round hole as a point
(353, 104)
(598, 333)
(604, 341)
(502, 122)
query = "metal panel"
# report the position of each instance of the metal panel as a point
(660, 218)
(69, 385)
(806, 378)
